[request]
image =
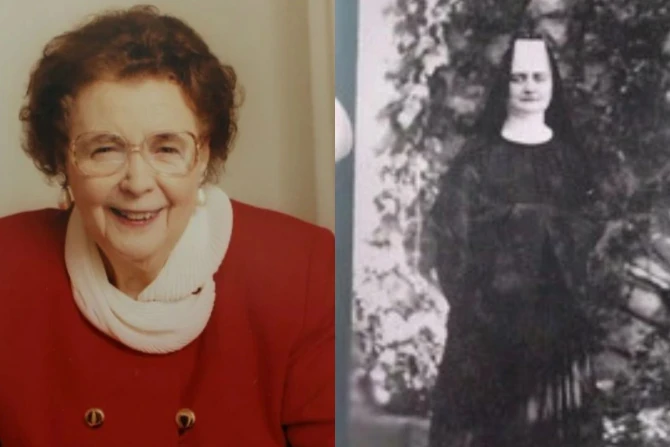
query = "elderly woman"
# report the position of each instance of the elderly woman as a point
(152, 309)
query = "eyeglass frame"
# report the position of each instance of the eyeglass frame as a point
(137, 148)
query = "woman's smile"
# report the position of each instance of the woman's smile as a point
(135, 218)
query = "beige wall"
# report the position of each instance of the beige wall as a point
(283, 158)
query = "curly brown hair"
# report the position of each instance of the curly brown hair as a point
(121, 45)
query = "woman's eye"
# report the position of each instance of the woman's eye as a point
(168, 149)
(103, 149)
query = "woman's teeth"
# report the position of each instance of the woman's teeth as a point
(130, 215)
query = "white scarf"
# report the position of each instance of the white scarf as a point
(167, 315)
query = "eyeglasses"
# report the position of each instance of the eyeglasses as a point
(99, 154)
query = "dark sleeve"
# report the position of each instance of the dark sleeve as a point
(308, 410)
(575, 232)
(574, 236)
(450, 218)
(460, 205)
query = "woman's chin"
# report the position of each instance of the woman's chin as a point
(139, 256)
(134, 252)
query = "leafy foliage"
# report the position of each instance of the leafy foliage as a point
(614, 57)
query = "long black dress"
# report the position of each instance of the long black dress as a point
(512, 241)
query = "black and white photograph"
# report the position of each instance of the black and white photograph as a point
(511, 244)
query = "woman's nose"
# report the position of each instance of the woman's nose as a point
(139, 177)
(529, 86)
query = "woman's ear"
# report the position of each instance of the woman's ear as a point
(203, 158)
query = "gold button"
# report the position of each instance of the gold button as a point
(185, 419)
(94, 417)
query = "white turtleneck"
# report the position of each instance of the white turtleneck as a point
(167, 314)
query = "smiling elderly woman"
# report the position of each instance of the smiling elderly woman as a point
(152, 309)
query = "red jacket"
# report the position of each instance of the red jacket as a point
(261, 374)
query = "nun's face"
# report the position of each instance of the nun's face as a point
(531, 84)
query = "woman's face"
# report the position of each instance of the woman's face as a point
(111, 205)
(531, 82)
